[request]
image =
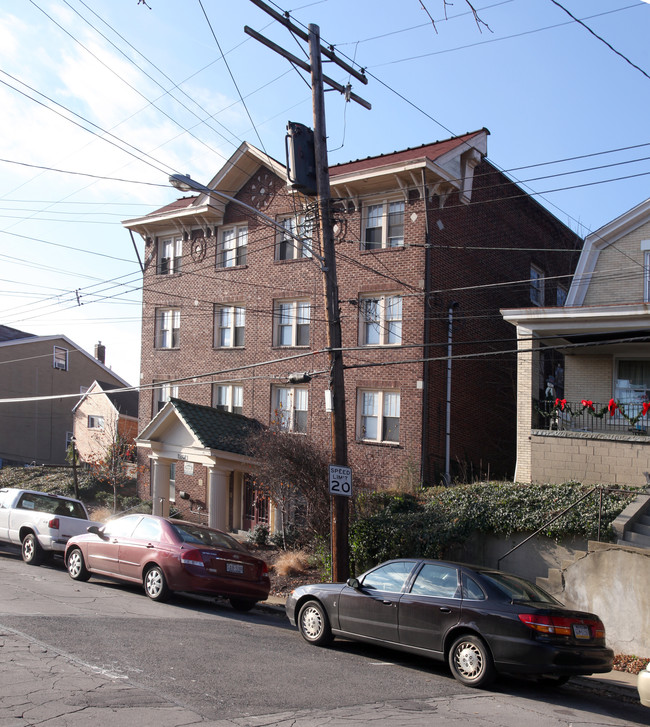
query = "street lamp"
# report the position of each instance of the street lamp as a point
(185, 183)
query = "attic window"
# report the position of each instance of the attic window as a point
(60, 358)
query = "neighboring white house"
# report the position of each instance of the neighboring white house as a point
(595, 348)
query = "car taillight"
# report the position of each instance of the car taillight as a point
(563, 625)
(192, 557)
(54, 523)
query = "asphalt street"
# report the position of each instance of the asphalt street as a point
(101, 653)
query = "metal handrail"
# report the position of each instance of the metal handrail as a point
(564, 512)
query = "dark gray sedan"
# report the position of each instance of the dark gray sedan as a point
(481, 622)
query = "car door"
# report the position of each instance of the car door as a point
(102, 551)
(136, 548)
(372, 609)
(5, 499)
(431, 607)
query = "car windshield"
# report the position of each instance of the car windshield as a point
(197, 535)
(518, 589)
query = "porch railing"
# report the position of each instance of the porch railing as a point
(576, 418)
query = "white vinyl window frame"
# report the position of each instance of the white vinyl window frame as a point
(287, 247)
(60, 358)
(170, 255)
(290, 408)
(232, 246)
(168, 328)
(378, 415)
(646, 277)
(95, 421)
(380, 320)
(291, 323)
(162, 393)
(229, 326)
(383, 224)
(228, 397)
(537, 285)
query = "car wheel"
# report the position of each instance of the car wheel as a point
(76, 566)
(242, 604)
(33, 553)
(470, 661)
(155, 584)
(314, 625)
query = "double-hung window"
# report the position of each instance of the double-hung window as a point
(229, 325)
(290, 248)
(232, 246)
(60, 359)
(170, 252)
(536, 285)
(290, 408)
(384, 225)
(646, 277)
(228, 397)
(381, 320)
(162, 393)
(291, 323)
(378, 415)
(168, 327)
(95, 422)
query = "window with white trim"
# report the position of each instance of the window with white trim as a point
(291, 321)
(288, 248)
(384, 225)
(290, 406)
(380, 320)
(60, 358)
(646, 278)
(229, 325)
(232, 246)
(168, 327)
(170, 253)
(536, 285)
(378, 415)
(95, 421)
(228, 397)
(162, 393)
(172, 481)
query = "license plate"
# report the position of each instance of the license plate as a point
(580, 631)
(234, 568)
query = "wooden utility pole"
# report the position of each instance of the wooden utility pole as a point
(339, 509)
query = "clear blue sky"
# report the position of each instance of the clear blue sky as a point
(128, 91)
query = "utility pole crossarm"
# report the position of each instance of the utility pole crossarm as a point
(329, 54)
(304, 65)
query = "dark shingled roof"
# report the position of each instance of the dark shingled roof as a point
(13, 334)
(217, 429)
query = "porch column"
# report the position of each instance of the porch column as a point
(527, 385)
(160, 488)
(218, 498)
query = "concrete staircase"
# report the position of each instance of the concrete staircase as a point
(554, 582)
(632, 526)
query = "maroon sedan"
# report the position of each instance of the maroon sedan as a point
(167, 555)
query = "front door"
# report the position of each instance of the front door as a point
(256, 505)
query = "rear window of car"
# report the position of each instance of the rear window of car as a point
(197, 535)
(52, 505)
(518, 589)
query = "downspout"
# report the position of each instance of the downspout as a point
(424, 444)
(450, 330)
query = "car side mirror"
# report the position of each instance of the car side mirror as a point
(354, 583)
(95, 530)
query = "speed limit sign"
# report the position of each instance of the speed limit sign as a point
(340, 480)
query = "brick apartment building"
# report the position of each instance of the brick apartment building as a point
(431, 243)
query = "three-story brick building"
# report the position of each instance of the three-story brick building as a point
(430, 243)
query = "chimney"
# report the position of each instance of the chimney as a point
(100, 352)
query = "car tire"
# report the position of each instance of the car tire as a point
(32, 552)
(155, 584)
(313, 624)
(76, 566)
(470, 661)
(242, 604)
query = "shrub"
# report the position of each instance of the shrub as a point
(291, 562)
(258, 536)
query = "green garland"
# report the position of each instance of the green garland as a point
(562, 406)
